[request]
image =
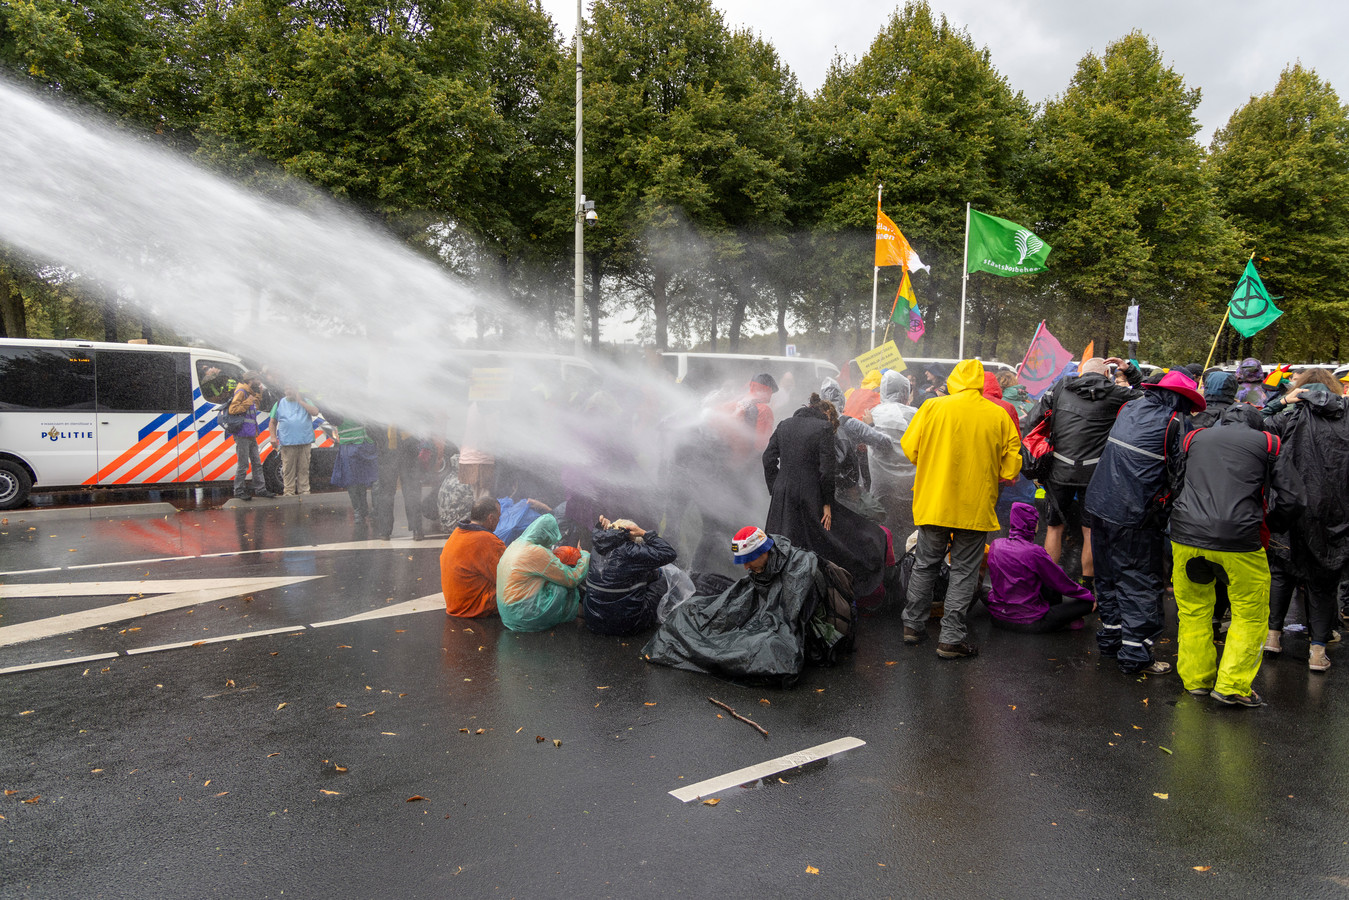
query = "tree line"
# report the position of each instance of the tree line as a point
(730, 200)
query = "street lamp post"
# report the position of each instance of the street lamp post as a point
(578, 209)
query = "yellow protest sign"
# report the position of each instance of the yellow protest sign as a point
(489, 384)
(886, 356)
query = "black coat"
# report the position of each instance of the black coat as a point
(799, 468)
(1132, 484)
(621, 597)
(1317, 438)
(1084, 409)
(1231, 473)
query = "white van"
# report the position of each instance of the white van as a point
(83, 414)
(710, 371)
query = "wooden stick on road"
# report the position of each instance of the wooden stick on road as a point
(735, 715)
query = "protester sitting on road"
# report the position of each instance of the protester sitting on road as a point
(624, 585)
(1235, 479)
(1028, 592)
(468, 563)
(535, 590)
(292, 434)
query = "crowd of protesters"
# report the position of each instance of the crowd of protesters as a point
(1223, 490)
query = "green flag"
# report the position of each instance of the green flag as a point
(1251, 308)
(1003, 247)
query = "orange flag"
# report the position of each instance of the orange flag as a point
(892, 249)
(1090, 351)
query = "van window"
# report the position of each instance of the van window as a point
(217, 379)
(44, 378)
(134, 381)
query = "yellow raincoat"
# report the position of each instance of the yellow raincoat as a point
(962, 445)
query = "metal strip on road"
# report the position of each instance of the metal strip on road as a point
(52, 663)
(764, 769)
(214, 640)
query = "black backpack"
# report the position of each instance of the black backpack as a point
(230, 423)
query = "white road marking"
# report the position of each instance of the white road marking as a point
(214, 640)
(421, 604)
(115, 588)
(764, 769)
(132, 609)
(399, 544)
(57, 662)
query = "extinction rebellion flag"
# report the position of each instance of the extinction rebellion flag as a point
(1003, 247)
(1251, 308)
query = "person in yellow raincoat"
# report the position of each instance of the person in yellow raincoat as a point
(964, 447)
(535, 591)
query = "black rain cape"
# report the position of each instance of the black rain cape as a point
(755, 629)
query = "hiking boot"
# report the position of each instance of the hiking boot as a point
(956, 651)
(911, 636)
(1252, 699)
(1318, 661)
(1274, 643)
(1156, 667)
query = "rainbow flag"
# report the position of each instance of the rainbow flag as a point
(912, 316)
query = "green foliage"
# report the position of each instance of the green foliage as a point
(1281, 167)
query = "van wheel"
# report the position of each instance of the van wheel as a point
(14, 484)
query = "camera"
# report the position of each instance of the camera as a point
(587, 210)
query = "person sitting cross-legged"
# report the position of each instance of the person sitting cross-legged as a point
(1028, 592)
(468, 564)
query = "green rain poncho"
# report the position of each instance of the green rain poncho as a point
(535, 591)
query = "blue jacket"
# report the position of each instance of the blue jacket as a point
(1142, 459)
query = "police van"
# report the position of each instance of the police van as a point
(83, 414)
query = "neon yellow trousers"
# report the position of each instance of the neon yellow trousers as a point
(1248, 589)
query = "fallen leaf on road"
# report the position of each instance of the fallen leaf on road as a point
(95, 771)
(222, 793)
(195, 644)
(27, 712)
(1161, 796)
(463, 731)
(649, 704)
(281, 705)
(520, 729)
(338, 705)
(206, 783)
(557, 743)
(414, 798)
(765, 702)
(390, 733)
(32, 799)
(539, 738)
(890, 662)
(9, 793)
(1145, 701)
(713, 802)
(811, 870)
(402, 695)
(399, 630)
(229, 682)
(469, 630)
(601, 687)
(339, 768)
(1137, 728)
(330, 793)
(1166, 750)
(1201, 868)
(819, 690)
(481, 731)
(343, 646)
(720, 716)
(270, 755)
(363, 715)
(780, 781)
(1011, 706)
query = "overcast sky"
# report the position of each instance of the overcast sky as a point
(1231, 49)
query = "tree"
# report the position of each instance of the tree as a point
(925, 113)
(1126, 205)
(1281, 167)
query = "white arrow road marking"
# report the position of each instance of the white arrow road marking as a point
(421, 604)
(764, 769)
(216, 589)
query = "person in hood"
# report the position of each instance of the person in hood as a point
(1315, 431)
(1235, 479)
(1028, 592)
(536, 590)
(1081, 412)
(993, 393)
(800, 468)
(1220, 392)
(852, 439)
(624, 589)
(891, 471)
(932, 383)
(1251, 383)
(963, 447)
(1128, 500)
(861, 401)
(1015, 393)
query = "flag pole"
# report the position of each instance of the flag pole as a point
(1030, 347)
(875, 270)
(965, 280)
(1227, 311)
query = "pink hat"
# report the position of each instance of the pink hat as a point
(1180, 383)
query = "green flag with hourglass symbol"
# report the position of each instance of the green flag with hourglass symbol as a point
(1251, 307)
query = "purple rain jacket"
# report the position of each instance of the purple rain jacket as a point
(1018, 569)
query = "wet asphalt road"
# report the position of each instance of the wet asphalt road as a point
(256, 768)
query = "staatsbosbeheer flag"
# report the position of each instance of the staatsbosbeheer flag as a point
(1251, 308)
(1003, 247)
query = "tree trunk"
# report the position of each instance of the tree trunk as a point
(109, 320)
(1271, 339)
(146, 334)
(740, 300)
(660, 302)
(782, 322)
(13, 318)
